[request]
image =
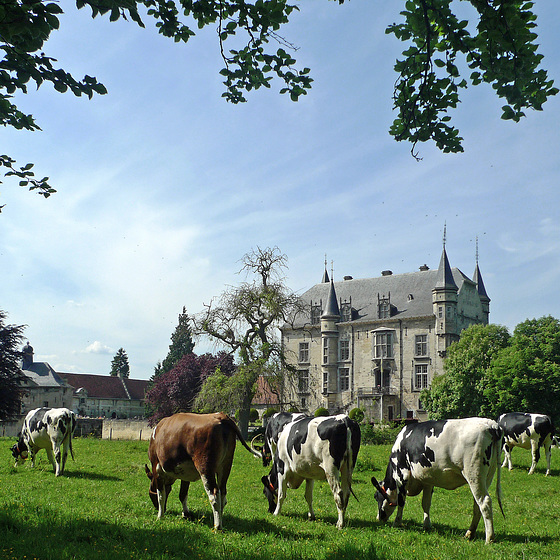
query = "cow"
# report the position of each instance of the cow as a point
(312, 449)
(50, 429)
(272, 432)
(188, 447)
(444, 454)
(528, 431)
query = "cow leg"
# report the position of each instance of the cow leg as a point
(535, 455)
(215, 498)
(507, 457)
(51, 456)
(427, 494)
(282, 486)
(64, 456)
(401, 500)
(183, 496)
(338, 495)
(547, 451)
(58, 463)
(309, 483)
(482, 506)
(162, 499)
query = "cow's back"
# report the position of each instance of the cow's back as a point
(184, 438)
(441, 452)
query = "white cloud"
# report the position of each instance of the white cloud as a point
(98, 348)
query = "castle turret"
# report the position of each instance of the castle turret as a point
(444, 301)
(484, 299)
(329, 341)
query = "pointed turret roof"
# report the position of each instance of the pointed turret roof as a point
(477, 278)
(331, 309)
(444, 275)
(325, 279)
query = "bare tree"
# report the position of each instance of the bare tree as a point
(246, 319)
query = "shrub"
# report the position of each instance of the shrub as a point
(356, 414)
(321, 411)
(379, 436)
(253, 415)
(269, 412)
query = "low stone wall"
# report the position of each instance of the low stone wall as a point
(94, 427)
(126, 429)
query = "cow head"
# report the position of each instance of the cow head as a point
(153, 486)
(270, 490)
(385, 504)
(20, 452)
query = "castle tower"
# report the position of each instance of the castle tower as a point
(329, 343)
(484, 299)
(444, 302)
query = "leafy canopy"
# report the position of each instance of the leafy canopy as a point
(119, 364)
(487, 372)
(11, 337)
(497, 46)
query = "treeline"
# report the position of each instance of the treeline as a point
(488, 372)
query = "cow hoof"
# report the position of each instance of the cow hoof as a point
(469, 535)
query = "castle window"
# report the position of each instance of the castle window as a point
(346, 310)
(383, 345)
(325, 350)
(316, 312)
(421, 345)
(420, 377)
(344, 379)
(303, 381)
(384, 310)
(344, 347)
(304, 352)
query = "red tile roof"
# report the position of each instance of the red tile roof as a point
(106, 386)
(264, 394)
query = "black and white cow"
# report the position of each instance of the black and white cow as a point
(312, 449)
(528, 431)
(50, 429)
(272, 432)
(444, 454)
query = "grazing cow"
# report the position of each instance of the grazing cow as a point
(528, 431)
(312, 449)
(446, 454)
(272, 432)
(189, 447)
(50, 429)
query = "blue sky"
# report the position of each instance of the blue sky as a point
(163, 186)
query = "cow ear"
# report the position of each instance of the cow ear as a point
(380, 488)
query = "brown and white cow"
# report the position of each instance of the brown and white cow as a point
(444, 454)
(188, 447)
(528, 431)
(50, 429)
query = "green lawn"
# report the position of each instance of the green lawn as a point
(100, 509)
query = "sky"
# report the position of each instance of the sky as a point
(163, 186)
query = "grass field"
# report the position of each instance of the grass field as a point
(100, 509)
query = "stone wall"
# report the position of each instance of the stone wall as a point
(126, 429)
(94, 427)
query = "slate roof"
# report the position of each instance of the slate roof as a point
(107, 386)
(411, 294)
(42, 374)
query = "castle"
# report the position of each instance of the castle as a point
(375, 343)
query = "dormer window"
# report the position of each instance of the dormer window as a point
(383, 307)
(346, 310)
(316, 312)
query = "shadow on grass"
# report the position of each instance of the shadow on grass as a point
(453, 532)
(58, 537)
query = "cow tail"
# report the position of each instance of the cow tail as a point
(72, 428)
(499, 445)
(351, 455)
(240, 437)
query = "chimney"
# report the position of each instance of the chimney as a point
(386, 273)
(424, 267)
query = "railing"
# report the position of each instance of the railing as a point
(376, 391)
